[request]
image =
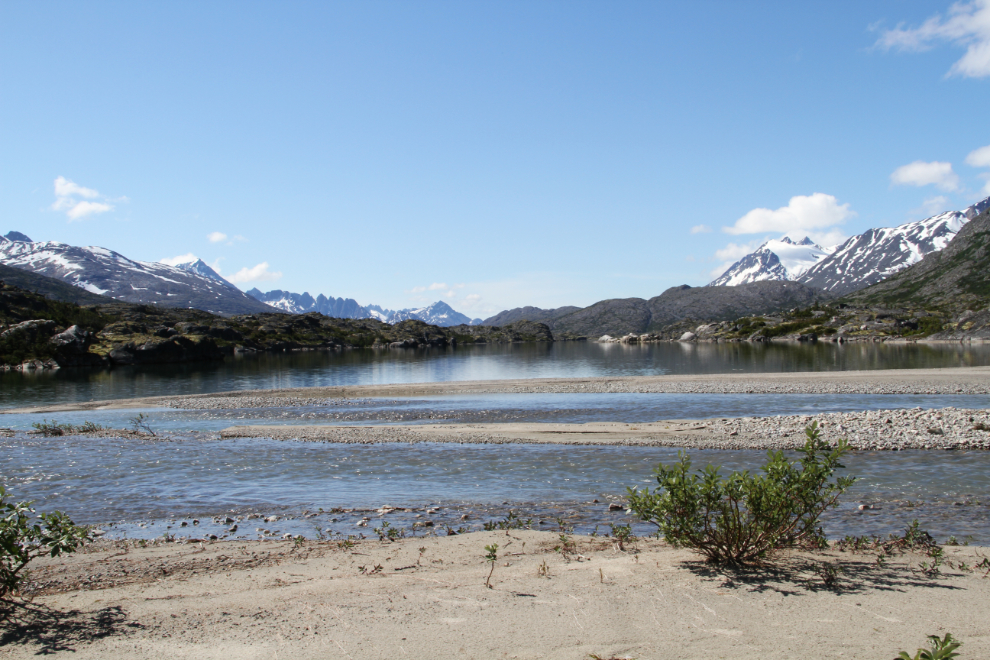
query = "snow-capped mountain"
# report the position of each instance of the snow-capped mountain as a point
(782, 259)
(856, 263)
(877, 254)
(108, 273)
(301, 303)
(439, 313)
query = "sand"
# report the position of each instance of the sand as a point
(426, 598)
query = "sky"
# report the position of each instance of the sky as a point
(488, 154)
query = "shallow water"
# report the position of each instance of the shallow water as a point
(557, 360)
(522, 408)
(150, 484)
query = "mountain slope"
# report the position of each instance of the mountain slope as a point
(955, 278)
(707, 303)
(49, 287)
(856, 263)
(877, 254)
(529, 314)
(108, 273)
(782, 259)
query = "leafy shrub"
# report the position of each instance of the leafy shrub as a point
(746, 517)
(941, 649)
(25, 536)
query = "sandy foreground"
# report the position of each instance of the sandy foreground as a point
(426, 598)
(959, 380)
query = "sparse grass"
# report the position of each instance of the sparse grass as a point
(51, 428)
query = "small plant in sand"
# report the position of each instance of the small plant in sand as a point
(941, 649)
(746, 517)
(491, 556)
(25, 536)
(622, 534)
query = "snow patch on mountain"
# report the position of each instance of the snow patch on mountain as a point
(782, 259)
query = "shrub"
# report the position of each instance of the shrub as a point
(25, 536)
(746, 517)
(942, 649)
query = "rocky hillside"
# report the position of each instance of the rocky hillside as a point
(49, 287)
(39, 333)
(529, 314)
(955, 280)
(636, 315)
(111, 274)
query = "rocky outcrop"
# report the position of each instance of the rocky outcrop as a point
(167, 350)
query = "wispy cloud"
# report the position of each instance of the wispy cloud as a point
(966, 25)
(181, 259)
(259, 273)
(979, 157)
(931, 206)
(701, 229)
(803, 215)
(67, 198)
(216, 237)
(919, 173)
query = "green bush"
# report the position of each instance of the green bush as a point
(746, 517)
(941, 649)
(25, 536)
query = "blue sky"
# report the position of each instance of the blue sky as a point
(492, 154)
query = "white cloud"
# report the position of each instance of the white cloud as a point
(802, 215)
(979, 157)
(920, 173)
(66, 188)
(966, 25)
(259, 273)
(701, 229)
(81, 209)
(66, 194)
(181, 259)
(472, 298)
(216, 237)
(216, 265)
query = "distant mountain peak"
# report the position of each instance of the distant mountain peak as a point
(778, 259)
(17, 236)
(201, 268)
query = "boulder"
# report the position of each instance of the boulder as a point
(688, 336)
(30, 329)
(73, 340)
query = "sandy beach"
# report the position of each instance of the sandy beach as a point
(426, 598)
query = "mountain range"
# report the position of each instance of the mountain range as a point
(439, 313)
(856, 263)
(108, 273)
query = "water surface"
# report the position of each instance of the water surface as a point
(556, 360)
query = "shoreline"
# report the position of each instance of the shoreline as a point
(955, 380)
(426, 597)
(879, 430)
